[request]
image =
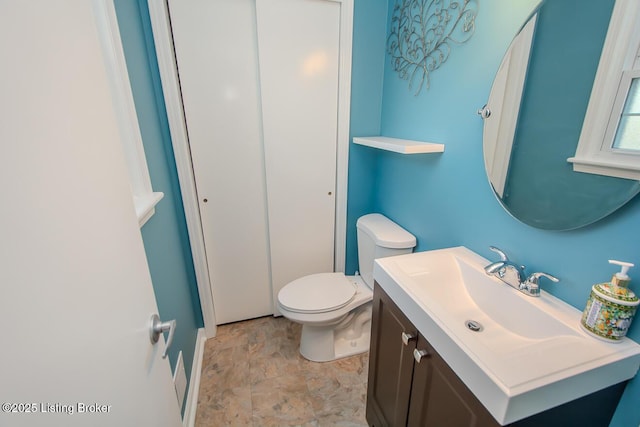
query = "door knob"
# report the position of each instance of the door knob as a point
(157, 327)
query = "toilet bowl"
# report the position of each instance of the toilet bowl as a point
(334, 309)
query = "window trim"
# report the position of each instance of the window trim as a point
(144, 198)
(594, 153)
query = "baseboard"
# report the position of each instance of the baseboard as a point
(189, 418)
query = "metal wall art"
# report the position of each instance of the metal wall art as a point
(421, 35)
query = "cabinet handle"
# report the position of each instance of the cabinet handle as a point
(419, 354)
(407, 337)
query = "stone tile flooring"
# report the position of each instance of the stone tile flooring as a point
(253, 375)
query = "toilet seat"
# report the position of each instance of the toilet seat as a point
(317, 293)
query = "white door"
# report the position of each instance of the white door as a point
(76, 291)
(259, 83)
(215, 47)
(299, 51)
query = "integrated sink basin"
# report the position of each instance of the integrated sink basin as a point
(519, 355)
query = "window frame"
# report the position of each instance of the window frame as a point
(594, 153)
(618, 108)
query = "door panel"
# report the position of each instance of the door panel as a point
(76, 289)
(299, 45)
(259, 83)
(390, 364)
(440, 398)
(217, 61)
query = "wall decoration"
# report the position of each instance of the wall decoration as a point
(421, 35)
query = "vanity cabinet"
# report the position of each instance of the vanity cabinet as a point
(393, 339)
(410, 384)
(438, 396)
(405, 391)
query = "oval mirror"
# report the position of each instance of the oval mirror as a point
(535, 111)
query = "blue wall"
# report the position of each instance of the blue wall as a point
(367, 72)
(445, 199)
(165, 234)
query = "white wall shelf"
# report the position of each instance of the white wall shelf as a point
(403, 146)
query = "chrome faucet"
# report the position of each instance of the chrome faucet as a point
(515, 276)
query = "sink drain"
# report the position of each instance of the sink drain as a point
(474, 326)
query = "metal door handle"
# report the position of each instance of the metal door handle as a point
(157, 327)
(407, 337)
(419, 354)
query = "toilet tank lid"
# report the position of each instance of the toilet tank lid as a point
(385, 233)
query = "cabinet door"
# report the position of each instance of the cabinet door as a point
(439, 397)
(390, 364)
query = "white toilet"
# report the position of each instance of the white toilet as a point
(334, 309)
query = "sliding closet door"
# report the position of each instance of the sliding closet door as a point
(298, 45)
(259, 83)
(216, 52)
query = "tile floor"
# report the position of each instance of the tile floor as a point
(253, 375)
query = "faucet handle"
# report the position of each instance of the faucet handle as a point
(503, 256)
(531, 286)
(533, 277)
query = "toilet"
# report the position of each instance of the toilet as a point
(334, 309)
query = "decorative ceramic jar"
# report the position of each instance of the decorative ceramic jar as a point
(609, 311)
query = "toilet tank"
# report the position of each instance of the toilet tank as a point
(379, 237)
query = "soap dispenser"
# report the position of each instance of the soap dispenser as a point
(611, 306)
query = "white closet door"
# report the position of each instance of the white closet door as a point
(216, 52)
(298, 45)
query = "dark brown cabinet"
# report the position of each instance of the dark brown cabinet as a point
(390, 364)
(439, 397)
(410, 384)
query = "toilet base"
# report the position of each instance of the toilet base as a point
(326, 343)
